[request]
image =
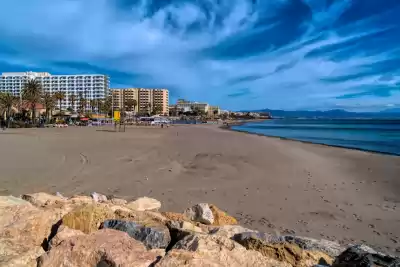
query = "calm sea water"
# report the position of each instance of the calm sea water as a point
(371, 135)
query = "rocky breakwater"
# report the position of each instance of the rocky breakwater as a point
(51, 230)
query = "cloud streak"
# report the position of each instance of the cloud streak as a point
(288, 54)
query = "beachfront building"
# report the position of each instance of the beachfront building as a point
(188, 106)
(214, 111)
(148, 100)
(91, 86)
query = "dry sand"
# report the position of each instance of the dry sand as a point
(268, 184)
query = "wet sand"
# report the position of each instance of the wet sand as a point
(268, 184)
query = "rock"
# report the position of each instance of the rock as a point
(23, 228)
(98, 197)
(275, 247)
(63, 233)
(200, 213)
(102, 248)
(144, 203)
(190, 227)
(42, 199)
(221, 217)
(363, 256)
(118, 201)
(172, 216)
(146, 218)
(211, 250)
(79, 200)
(333, 249)
(87, 218)
(58, 194)
(229, 231)
(154, 236)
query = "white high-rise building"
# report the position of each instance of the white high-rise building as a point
(92, 86)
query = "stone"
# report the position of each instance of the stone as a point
(87, 218)
(23, 229)
(275, 247)
(173, 216)
(211, 250)
(105, 247)
(119, 201)
(221, 217)
(42, 199)
(63, 233)
(363, 256)
(154, 236)
(145, 218)
(229, 231)
(333, 249)
(200, 213)
(144, 203)
(98, 197)
(79, 200)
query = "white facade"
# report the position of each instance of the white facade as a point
(92, 86)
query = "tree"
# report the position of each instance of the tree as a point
(215, 112)
(32, 92)
(49, 103)
(157, 109)
(134, 104)
(107, 105)
(59, 96)
(7, 101)
(72, 99)
(82, 103)
(92, 104)
(129, 104)
(150, 108)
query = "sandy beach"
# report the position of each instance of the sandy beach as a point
(267, 184)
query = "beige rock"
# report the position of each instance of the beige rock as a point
(115, 248)
(119, 201)
(43, 199)
(212, 250)
(200, 213)
(190, 227)
(221, 217)
(79, 200)
(13, 253)
(98, 197)
(8, 201)
(87, 218)
(144, 203)
(173, 216)
(63, 233)
(229, 231)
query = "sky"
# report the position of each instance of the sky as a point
(239, 54)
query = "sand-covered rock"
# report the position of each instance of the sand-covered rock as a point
(14, 253)
(63, 233)
(173, 216)
(87, 218)
(43, 199)
(331, 248)
(363, 256)
(154, 236)
(207, 250)
(98, 197)
(144, 203)
(119, 201)
(200, 213)
(229, 231)
(276, 248)
(102, 248)
(221, 217)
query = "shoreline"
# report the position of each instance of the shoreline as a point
(229, 128)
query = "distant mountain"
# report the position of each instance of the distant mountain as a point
(391, 110)
(334, 114)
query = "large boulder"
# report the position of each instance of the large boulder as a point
(87, 218)
(208, 250)
(102, 248)
(144, 203)
(363, 256)
(221, 217)
(229, 231)
(200, 213)
(333, 249)
(152, 236)
(275, 247)
(63, 233)
(23, 229)
(43, 199)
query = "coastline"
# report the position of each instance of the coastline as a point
(229, 128)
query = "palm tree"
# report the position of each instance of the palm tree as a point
(7, 101)
(72, 99)
(150, 109)
(32, 92)
(107, 105)
(134, 104)
(60, 96)
(82, 103)
(129, 104)
(49, 103)
(92, 104)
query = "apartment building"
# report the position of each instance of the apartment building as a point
(91, 86)
(148, 100)
(185, 106)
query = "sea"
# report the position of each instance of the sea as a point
(376, 135)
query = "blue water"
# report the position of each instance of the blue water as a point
(372, 135)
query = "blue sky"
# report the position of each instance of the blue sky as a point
(240, 54)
